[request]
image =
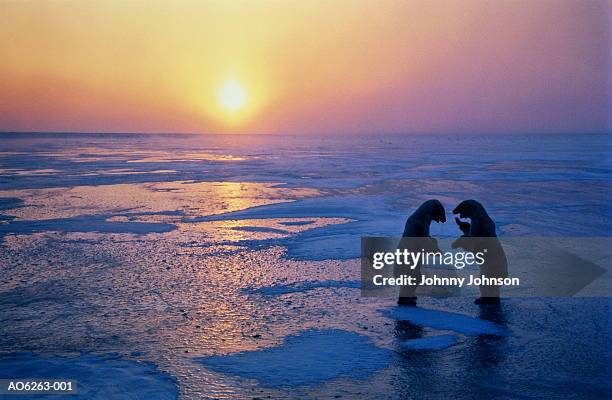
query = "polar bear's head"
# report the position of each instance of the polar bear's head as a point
(436, 210)
(470, 209)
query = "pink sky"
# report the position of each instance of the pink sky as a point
(306, 66)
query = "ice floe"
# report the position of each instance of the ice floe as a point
(85, 223)
(438, 342)
(311, 357)
(98, 377)
(445, 321)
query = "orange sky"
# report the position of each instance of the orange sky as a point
(307, 66)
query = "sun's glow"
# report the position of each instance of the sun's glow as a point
(232, 95)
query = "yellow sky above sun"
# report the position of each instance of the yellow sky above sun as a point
(303, 66)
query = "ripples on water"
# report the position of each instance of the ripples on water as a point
(168, 250)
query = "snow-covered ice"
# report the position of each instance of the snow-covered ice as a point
(311, 357)
(202, 262)
(97, 377)
(445, 321)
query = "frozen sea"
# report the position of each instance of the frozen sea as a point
(194, 266)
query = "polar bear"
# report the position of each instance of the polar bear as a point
(480, 235)
(415, 239)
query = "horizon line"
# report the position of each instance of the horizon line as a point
(2, 132)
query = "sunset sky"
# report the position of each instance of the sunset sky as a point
(305, 66)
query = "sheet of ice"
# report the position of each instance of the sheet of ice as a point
(370, 215)
(98, 377)
(311, 357)
(445, 321)
(6, 203)
(262, 229)
(171, 295)
(84, 223)
(343, 207)
(438, 342)
(297, 223)
(301, 287)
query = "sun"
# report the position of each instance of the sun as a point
(232, 95)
